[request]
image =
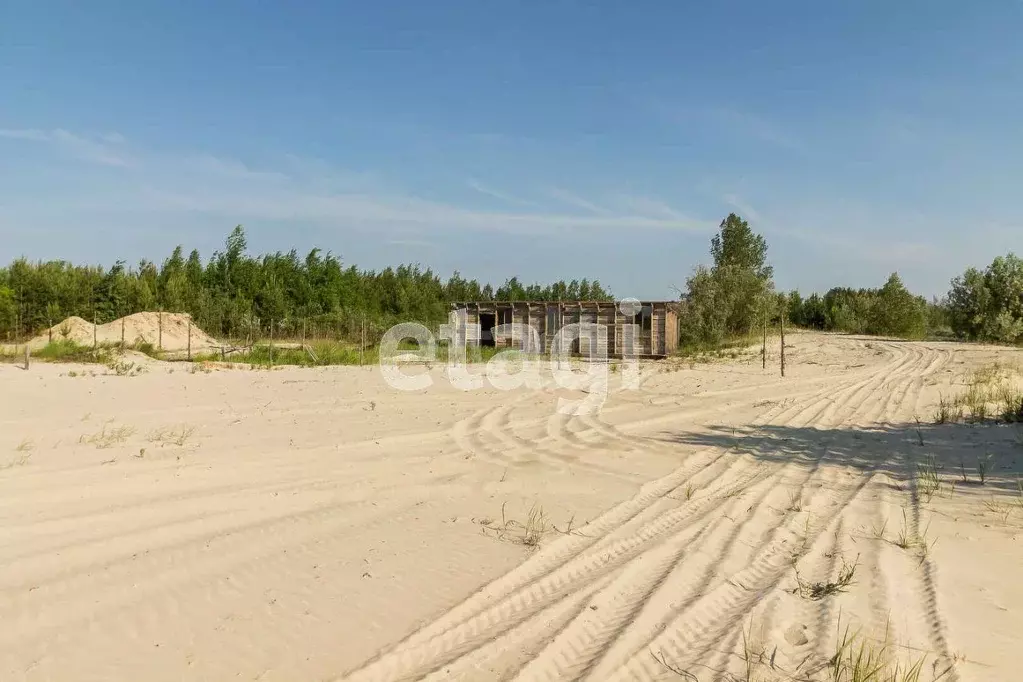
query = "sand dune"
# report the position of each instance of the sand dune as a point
(168, 331)
(315, 524)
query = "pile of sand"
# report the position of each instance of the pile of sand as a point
(137, 328)
(73, 329)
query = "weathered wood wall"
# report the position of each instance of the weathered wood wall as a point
(659, 340)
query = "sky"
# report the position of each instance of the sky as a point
(547, 140)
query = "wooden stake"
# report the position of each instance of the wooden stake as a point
(362, 347)
(763, 352)
(95, 341)
(160, 325)
(271, 344)
(782, 318)
(190, 340)
(49, 333)
(26, 356)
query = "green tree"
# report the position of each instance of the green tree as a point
(729, 298)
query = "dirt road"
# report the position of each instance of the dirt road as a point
(317, 524)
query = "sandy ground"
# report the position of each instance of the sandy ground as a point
(315, 524)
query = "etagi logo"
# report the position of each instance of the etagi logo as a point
(589, 339)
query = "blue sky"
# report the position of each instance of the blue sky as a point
(546, 139)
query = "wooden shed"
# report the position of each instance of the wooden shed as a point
(657, 323)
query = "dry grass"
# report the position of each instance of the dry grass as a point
(172, 436)
(125, 368)
(913, 540)
(815, 591)
(928, 479)
(992, 391)
(858, 659)
(528, 533)
(108, 437)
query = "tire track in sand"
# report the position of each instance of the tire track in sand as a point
(597, 602)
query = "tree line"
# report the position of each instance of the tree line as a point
(732, 298)
(233, 291)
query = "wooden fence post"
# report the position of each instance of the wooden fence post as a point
(26, 356)
(362, 346)
(122, 331)
(271, 344)
(159, 345)
(763, 352)
(190, 340)
(95, 340)
(49, 332)
(782, 318)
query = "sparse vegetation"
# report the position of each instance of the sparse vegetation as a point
(108, 437)
(528, 533)
(948, 412)
(859, 659)
(983, 466)
(991, 391)
(817, 590)
(175, 435)
(65, 350)
(928, 479)
(124, 368)
(911, 539)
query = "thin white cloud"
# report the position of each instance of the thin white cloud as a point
(396, 211)
(571, 199)
(649, 207)
(747, 211)
(26, 134)
(497, 194)
(220, 187)
(106, 149)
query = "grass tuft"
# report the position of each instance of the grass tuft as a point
(815, 591)
(108, 437)
(857, 659)
(529, 533)
(172, 436)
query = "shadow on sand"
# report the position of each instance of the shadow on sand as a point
(962, 454)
